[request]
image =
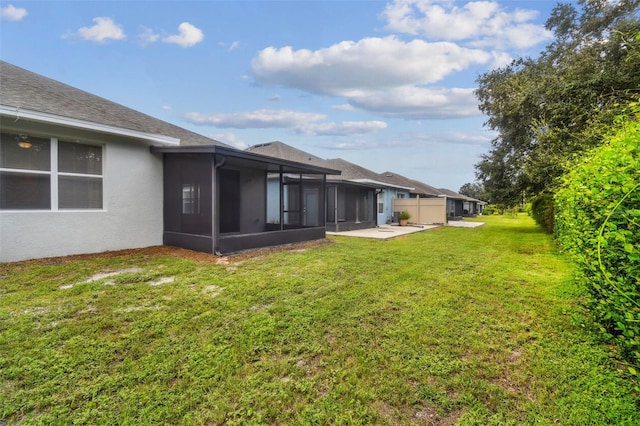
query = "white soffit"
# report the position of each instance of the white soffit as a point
(19, 113)
(376, 182)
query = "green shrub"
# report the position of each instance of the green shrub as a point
(542, 211)
(598, 224)
(490, 209)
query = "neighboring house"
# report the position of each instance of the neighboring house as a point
(418, 189)
(355, 198)
(426, 204)
(386, 189)
(349, 205)
(459, 206)
(81, 174)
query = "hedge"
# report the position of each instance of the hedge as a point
(542, 211)
(597, 221)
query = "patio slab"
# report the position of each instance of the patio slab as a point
(463, 224)
(384, 232)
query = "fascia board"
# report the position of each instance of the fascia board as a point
(44, 117)
(389, 185)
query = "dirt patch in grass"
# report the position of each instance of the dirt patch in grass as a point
(179, 252)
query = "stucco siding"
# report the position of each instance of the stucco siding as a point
(131, 216)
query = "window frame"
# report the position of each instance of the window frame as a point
(54, 174)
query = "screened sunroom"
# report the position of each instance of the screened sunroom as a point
(221, 200)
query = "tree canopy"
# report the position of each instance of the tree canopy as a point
(473, 190)
(550, 109)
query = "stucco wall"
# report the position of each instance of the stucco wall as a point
(390, 194)
(131, 217)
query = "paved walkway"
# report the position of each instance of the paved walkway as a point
(384, 232)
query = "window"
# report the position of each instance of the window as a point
(47, 174)
(380, 203)
(190, 198)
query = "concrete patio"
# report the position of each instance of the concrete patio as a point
(385, 232)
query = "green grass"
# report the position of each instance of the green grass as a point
(468, 326)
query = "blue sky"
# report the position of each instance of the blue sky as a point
(387, 85)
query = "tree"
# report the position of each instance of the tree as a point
(473, 190)
(555, 107)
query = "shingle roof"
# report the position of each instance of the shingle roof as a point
(283, 151)
(351, 171)
(26, 90)
(453, 194)
(419, 187)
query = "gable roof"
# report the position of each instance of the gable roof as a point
(24, 94)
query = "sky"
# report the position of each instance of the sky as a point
(388, 85)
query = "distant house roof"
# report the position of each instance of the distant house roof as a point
(455, 195)
(30, 96)
(419, 188)
(351, 172)
(283, 151)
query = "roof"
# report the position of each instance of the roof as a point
(351, 173)
(229, 155)
(417, 186)
(453, 194)
(283, 151)
(28, 95)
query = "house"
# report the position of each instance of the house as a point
(349, 204)
(386, 189)
(82, 174)
(459, 206)
(425, 204)
(358, 198)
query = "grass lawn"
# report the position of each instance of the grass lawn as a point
(448, 326)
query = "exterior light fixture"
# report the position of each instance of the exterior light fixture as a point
(23, 142)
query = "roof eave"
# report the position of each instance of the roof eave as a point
(245, 155)
(44, 117)
(384, 184)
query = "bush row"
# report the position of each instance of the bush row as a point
(542, 211)
(597, 221)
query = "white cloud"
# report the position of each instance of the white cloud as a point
(229, 46)
(353, 145)
(501, 59)
(104, 29)
(147, 36)
(480, 23)
(300, 122)
(189, 36)
(12, 13)
(418, 102)
(345, 128)
(368, 63)
(343, 107)
(263, 118)
(230, 139)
